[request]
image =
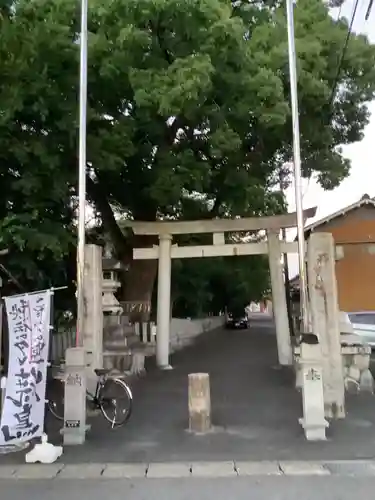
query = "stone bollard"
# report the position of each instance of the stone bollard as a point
(199, 402)
(75, 396)
(3, 384)
(313, 420)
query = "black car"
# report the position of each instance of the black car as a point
(236, 321)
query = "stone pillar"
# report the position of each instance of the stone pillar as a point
(325, 319)
(199, 402)
(163, 319)
(93, 324)
(75, 428)
(313, 421)
(279, 306)
(3, 384)
(2, 368)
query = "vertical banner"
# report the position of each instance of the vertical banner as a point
(29, 330)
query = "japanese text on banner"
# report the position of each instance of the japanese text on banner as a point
(29, 328)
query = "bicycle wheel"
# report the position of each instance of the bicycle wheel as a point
(55, 398)
(115, 401)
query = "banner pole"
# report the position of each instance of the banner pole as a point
(82, 175)
(54, 289)
(50, 333)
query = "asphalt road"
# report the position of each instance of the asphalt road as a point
(263, 488)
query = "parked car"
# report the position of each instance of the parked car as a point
(237, 321)
(363, 323)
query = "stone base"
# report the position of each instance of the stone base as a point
(166, 367)
(199, 422)
(314, 431)
(72, 438)
(138, 363)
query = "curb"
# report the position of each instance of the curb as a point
(177, 470)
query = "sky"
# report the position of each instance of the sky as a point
(361, 154)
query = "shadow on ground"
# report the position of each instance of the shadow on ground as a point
(255, 411)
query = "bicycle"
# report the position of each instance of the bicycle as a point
(100, 399)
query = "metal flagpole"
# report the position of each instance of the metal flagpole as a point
(297, 164)
(82, 174)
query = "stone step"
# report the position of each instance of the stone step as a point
(119, 361)
(119, 330)
(133, 340)
(119, 344)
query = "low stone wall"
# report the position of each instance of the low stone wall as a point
(60, 341)
(355, 357)
(184, 331)
(120, 346)
(356, 364)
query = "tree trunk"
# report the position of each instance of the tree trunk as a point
(139, 282)
(140, 278)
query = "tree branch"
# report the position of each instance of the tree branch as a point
(100, 199)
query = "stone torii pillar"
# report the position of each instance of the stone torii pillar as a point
(163, 315)
(325, 319)
(93, 334)
(284, 347)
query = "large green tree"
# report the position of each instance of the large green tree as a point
(188, 114)
(204, 286)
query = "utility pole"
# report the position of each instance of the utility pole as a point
(297, 166)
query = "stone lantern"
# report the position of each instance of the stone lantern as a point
(118, 334)
(111, 284)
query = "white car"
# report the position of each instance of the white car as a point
(363, 323)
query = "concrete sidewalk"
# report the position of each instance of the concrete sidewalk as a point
(255, 412)
(195, 470)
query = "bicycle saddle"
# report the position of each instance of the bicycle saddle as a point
(101, 371)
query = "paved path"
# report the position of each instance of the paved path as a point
(255, 412)
(241, 488)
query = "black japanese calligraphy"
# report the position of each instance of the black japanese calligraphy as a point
(18, 434)
(38, 344)
(39, 309)
(37, 349)
(23, 411)
(20, 311)
(313, 375)
(26, 382)
(22, 345)
(74, 379)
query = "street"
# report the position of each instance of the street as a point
(254, 488)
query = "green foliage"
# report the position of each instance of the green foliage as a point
(202, 286)
(188, 110)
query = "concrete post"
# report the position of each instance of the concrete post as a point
(163, 319)
(93, 334)
(199, 402)
(3, 384)
(313, 421)
(75, 428)
(279, 306)
(1, 334)
(325, 319)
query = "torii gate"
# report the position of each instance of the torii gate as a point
(166, 251)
